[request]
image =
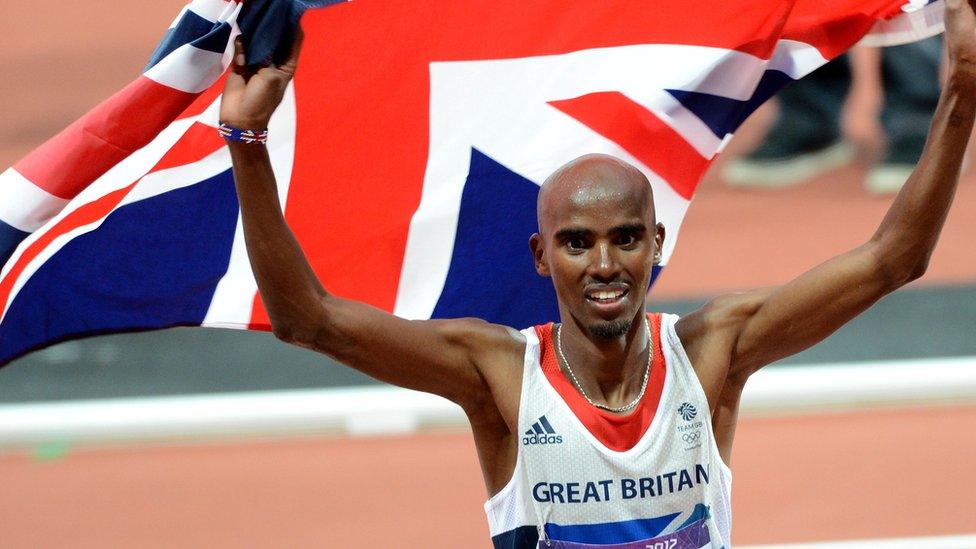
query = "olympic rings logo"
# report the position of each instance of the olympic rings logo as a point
(691, 437)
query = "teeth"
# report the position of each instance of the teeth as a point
(604, 295)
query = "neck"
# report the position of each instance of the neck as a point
(610, 371)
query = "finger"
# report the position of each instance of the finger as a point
(237, 77)
(239, 63)
(291, 62)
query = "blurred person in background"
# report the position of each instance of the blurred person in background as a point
(810, 136)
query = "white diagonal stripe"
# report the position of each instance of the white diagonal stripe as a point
(795, 59)
(24, 205)
(175, 71)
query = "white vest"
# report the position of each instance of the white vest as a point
(670, 491)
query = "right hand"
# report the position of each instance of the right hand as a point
(960, 33)
(251, 95)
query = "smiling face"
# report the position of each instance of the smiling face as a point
(598, 239)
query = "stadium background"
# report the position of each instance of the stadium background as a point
(849, 472)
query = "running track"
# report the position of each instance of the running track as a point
(852, 475)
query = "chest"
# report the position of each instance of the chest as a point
(565, 463)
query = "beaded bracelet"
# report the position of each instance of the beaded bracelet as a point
(251, 137)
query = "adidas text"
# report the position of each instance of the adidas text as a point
(542, 439)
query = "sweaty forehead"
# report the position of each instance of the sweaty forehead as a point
(594, 184)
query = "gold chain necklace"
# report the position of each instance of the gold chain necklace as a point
(647, 372)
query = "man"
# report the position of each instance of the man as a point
(612, 427)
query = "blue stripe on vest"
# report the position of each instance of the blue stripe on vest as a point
(612, 532)
(526, 537)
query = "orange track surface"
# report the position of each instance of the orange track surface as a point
(853, 475)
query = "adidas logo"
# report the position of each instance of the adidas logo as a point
(542, 433)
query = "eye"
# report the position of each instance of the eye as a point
(626, 240)
(575, 243)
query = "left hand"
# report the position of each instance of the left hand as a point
(960, 35)
(251, 95)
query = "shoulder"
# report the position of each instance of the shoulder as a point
(497, 353)
(722, 313)
(482, 337)
(709, 334)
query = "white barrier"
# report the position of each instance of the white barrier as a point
(388, 410)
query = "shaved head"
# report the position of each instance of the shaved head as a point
(598, 240)
(589, 179)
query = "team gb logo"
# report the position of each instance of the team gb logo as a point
(687, 411)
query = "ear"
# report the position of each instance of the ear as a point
(539, 254)
(658, 243)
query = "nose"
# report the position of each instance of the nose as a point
(605, 266)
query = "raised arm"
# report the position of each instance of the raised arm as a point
(441, 357)
(741, 333)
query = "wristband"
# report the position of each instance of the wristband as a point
(251, 137)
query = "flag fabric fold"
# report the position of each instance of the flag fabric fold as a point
(408, 150)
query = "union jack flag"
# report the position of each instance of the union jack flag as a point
(408, 151)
